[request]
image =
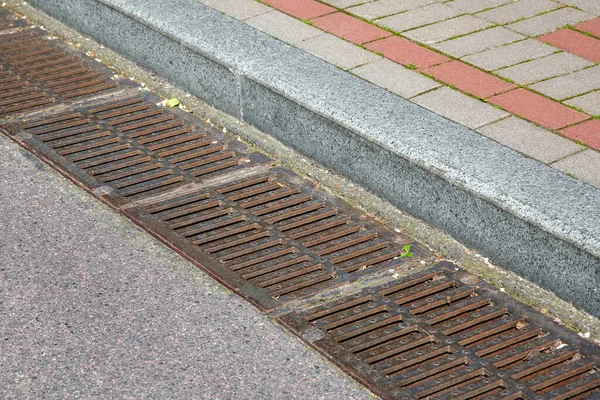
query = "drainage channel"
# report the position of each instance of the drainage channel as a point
(377, 303)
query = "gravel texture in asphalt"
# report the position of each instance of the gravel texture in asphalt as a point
(92, 307)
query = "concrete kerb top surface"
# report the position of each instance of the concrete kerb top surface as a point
(346, 110)
(538, 194)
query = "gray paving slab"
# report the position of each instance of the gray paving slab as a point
(459, 107)
(530, 140)
(510, 54)
(418, 17)
(591, 6)
(544, 68)
(395, 78)
(582, 166)
(522, 214)
(471, 6)
(517, 10)
(570, 85)
(283, 27)
(344, 3)
(382, 8)
(550, 22)
(590, 103)
(478, 41)
(447, 29)
(240, 9)
(92, 307)
(337, 51)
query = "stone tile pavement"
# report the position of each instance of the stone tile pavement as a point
(522, 72)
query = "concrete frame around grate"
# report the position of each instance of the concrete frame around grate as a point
(522, 214)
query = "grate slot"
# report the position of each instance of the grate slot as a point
(578, 392)
(282, 205)
(434, 372)
(386, 323)
(462, 310)
(276, 267)
(179, 140)
(191, 208)
(288, 277)
(119, 165)
(373, 261)
(383, 339)
(160, 185)
(238, 242)
(245, 194)
(251, 250)
(212, 227)
(267, 257)
(525, 336)
(332, 236)
(477, 321)
(225, 234)
(310, 220)
(454, 384)
(359, 253)
(300, 286)
(563, 378)
(539, 369)
(276, 196)
(128, 173)
(201, 218)
(429, 340)
(345, 320)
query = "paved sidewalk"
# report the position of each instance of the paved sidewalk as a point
(524, 73)
(94, 308)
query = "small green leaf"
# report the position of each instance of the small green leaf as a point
(172, 103)
(406, 251)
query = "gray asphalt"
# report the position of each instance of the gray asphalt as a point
(93, 307)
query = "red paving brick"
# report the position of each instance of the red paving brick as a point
(469, 79)
(538, 109)
(587, 133)
(349, 28)
(406, 52)
(574, 42)
(592, 26)
(302, 9)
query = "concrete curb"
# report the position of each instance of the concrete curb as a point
(522, 214)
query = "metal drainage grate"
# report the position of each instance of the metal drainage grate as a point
(444, 334)
(36, 72)
(131, 146)
(275, 238)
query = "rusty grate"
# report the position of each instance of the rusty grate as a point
(131, 146)
(444, 334)
(275, 238)
(279, 234)
(36, 71)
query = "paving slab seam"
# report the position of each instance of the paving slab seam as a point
(254, 93)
